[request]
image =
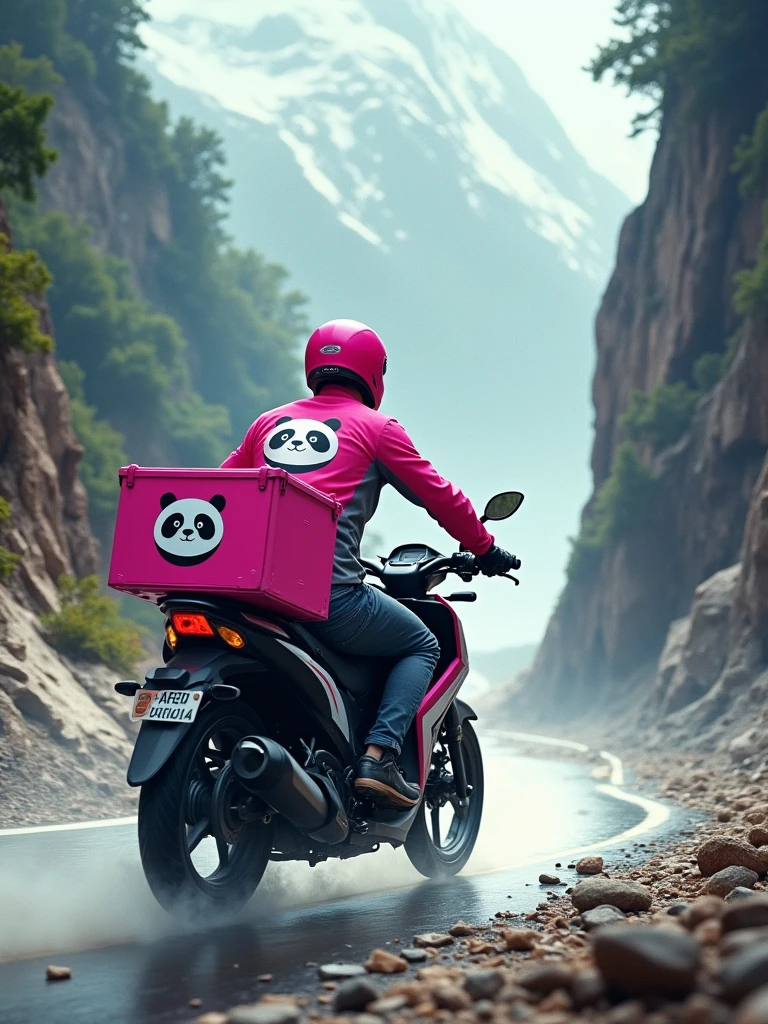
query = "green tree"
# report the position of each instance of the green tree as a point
(23, 153)
(21, 275)
(8, 560)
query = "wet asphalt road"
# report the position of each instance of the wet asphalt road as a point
(79, 898)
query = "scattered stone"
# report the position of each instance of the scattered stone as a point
(340, 972)
(545, 979)
(739, 893)
(195, 1003)
(481, 946)
(414, 956)
(709, 932)
(521, 939)
(461, 928)
(626, 895)
(549, 880)
(677, 909)
(484, 1009)
(54, 973)
(700, 1008)
(724, 816)
(646, 959)
(450, 997)
(589, 866)
(483, 984)
(434, 939)
(725, 881)
(265, 1013)
(386, 1005)
(755, 1009)
(264, 978)
(587, 988)
(758, 836)
(354, 994)
(701, 910)
(748, 913)
(744, 972)
(212, 1018)
(756, 816)
(382, 962)
(602, 915)
(722, 852)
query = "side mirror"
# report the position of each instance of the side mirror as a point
(502, 506)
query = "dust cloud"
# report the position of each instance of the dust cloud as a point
(69, 890)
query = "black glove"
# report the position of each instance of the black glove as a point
(496, 561)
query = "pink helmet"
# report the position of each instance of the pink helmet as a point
(350, 353)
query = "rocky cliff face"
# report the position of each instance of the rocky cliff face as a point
(668, 302)
(63, 737)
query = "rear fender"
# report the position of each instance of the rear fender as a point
(194, 669)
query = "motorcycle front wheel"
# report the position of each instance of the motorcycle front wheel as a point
(198, 855)
(443, 834)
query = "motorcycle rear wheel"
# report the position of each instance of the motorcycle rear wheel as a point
(435, 850)
(175, 826)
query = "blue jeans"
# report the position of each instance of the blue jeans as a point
(365, 622)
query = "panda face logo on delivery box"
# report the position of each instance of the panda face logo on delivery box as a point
(189, 530)
(302, 445)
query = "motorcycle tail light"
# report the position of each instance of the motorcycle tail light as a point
(231, 636)
(170, 636)
(191, 624)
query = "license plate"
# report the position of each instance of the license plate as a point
(166, 705)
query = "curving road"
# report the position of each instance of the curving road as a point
(76, 895)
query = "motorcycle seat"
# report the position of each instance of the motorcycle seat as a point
(356, 675)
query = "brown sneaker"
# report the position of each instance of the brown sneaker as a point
(383, 782)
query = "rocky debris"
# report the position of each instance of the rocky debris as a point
(432, 940)
(521, 939)
(414, 956)
(382, 962)
(461, 929)
(483, 984)
(212, 1018)
(600, 916)
(264, 1013)
(751, 913)
(724, 882)
(624, 894)
(744, 972)
(738, 894)
(339, 972)
(589, 866)
(55, 973)
(644, 959)
(354, 994)
(545, 979)
(755, 1009)
(549, 880)
(449, 996)
(758, 836)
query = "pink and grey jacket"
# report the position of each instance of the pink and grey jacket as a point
(344, 448)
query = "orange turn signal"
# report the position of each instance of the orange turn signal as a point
(191, 624)
(231, 636)
(170, 636)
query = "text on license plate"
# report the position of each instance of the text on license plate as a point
(166, 705)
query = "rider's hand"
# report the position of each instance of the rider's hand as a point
(496, 561)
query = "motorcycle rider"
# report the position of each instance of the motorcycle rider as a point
(342, 445)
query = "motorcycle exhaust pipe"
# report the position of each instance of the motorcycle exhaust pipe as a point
(265, 768)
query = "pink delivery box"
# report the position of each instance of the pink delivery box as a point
(257, 535)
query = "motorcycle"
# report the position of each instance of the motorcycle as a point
(252, 727)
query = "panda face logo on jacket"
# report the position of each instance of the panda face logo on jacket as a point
(302, 445)
(189, 530)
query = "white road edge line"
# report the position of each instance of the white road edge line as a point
(70, 826)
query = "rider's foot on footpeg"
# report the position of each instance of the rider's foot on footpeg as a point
(383, 782)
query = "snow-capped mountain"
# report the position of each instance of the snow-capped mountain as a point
(340, 82)
(398, 163)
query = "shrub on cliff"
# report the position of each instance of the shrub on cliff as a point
(619, 507)
(21, 275)
(89, 626)
(8, 560)
(659, 417)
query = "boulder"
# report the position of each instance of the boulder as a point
(625, 895)
(647, 959)
(744, 972)
(382, 962)
(600, 916)
(723, 852)
(483, 984)
(724, 882)
(589, 866)
(354, 994)
(747, 913)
